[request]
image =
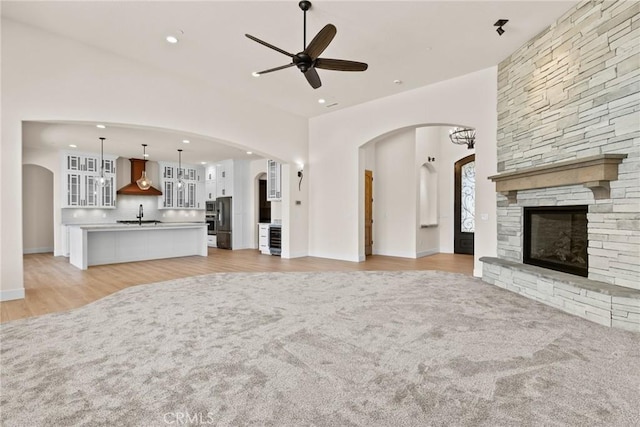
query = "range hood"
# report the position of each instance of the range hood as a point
(132, 189)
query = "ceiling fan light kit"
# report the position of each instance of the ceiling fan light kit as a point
(308, 60)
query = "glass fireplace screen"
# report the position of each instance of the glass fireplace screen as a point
(556, 238)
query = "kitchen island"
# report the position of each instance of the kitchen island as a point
(114, 243)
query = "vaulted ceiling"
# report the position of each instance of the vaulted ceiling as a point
(406, 44)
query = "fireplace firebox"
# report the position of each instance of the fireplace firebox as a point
(555, 237)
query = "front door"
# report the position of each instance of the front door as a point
(368, 212)
(464, 205)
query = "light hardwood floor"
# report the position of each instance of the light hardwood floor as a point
(53, 285)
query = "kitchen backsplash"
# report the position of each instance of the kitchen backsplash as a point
(127, 209)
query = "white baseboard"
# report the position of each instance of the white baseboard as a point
(426, 253)
(297, 255)
(396, 254)
(12, 294)
(37, 250)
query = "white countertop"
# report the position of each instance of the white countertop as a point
(146, 226)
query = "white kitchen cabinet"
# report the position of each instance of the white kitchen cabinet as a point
(64, 232)
(81, 174)
(224, 178)
(263, 238)
(274, 181)
(211, 190)
(212, 241)
(190, 195)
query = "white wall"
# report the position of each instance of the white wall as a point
(295, 214)
(394, 212)
(37, 209)
(47, 77)
(427, 145)
(49, 159)
(338, 164)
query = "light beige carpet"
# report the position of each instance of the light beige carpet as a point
(415, 348)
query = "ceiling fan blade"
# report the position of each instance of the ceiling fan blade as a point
(340, 65)
(321, 41)
(313, 78)
(270, 46)
(282, 67)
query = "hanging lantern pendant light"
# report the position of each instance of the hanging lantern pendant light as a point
(144, 183)
(101, 181)
(180, 171)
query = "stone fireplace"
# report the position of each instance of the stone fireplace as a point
(569, 135)
(556, 216)
(552, 234)
(555, 237)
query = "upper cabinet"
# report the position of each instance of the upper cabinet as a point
(81, 181)
(224, 178)
(188, 196)
(274, 181)
(210, 183)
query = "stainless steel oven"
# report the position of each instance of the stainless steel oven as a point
(210, 207)
(211, 224)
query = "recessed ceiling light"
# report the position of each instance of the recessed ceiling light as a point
(249, 152)
(172, 39)
(73, 146)
(255, 74)
(398, 82)
(203, 163)
(100, 126)
(321, 101)
(185, 141)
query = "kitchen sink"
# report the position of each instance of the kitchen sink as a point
(136, 222)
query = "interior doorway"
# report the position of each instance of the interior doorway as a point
(368, 212)
(464, 205)
(37, 209)
(264, 206)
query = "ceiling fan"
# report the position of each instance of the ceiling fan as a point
(308, 60)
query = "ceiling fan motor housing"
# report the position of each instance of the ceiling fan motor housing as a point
(302, 61)
(305, 5)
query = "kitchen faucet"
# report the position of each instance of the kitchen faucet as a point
(140, 215)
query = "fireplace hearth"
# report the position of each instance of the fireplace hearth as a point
(555, 237)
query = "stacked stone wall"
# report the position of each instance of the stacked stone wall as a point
(571, 92)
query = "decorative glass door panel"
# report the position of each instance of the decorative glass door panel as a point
(468, 198)
(73, 190)
(464, 205)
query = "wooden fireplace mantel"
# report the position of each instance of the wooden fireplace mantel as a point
(594, 172)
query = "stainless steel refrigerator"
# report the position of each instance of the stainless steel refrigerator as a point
(223, 222)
